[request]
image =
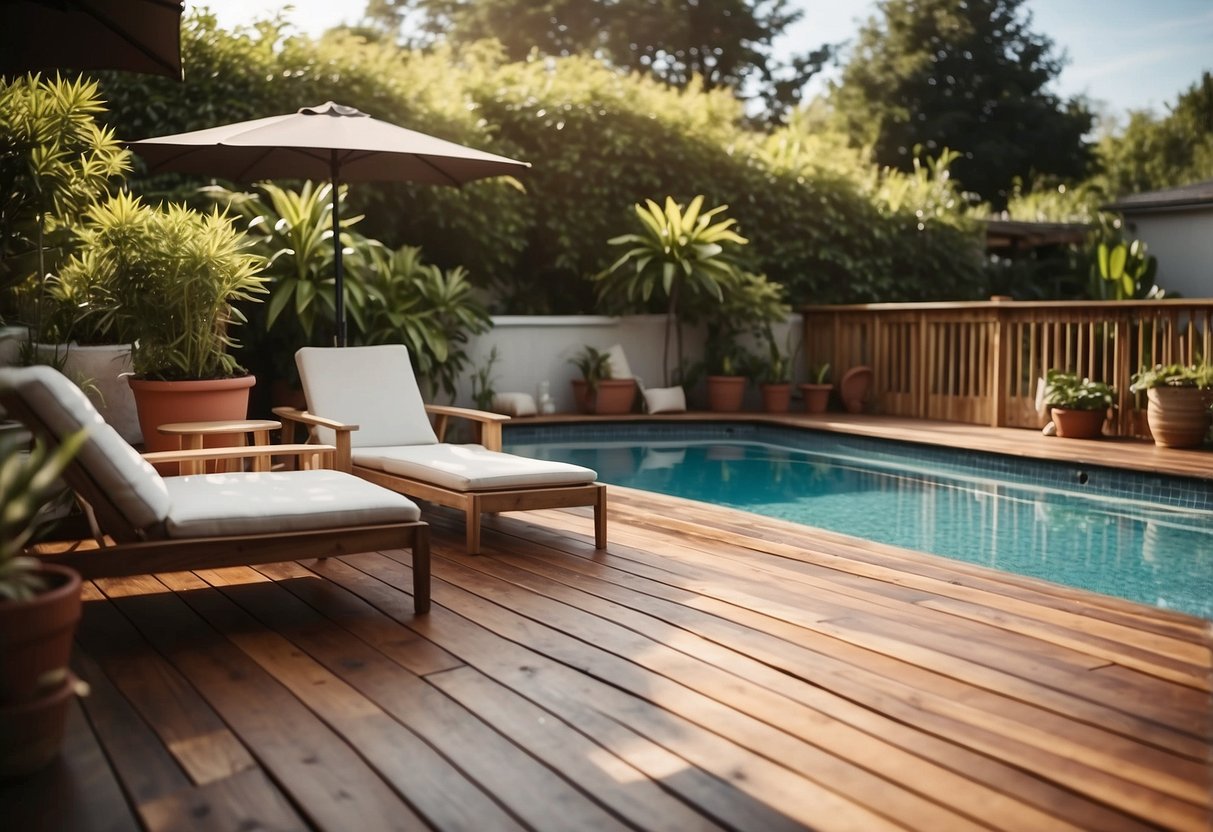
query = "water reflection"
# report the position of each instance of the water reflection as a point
(1135, 551)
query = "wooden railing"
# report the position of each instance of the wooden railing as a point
(979, 362)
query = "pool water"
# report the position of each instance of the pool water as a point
(1144, 537)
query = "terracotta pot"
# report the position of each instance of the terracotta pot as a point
(1078, 424)
(36, 635)
(776, 398)
(816, 397)
(31, 733)
(35, 684)
(613, 396)
(725, 393)
(1178, 416)
(853, 388)
(211, 400)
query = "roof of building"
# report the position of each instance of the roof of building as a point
(1197, 194)
(1021, 234)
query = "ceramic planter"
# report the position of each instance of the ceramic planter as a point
(101, 371)
(816, 397)
(1078, 424)
(725, 393)
(613, 396)
(35, 687)
(776, 398)
(1178, 416)
(853, 388)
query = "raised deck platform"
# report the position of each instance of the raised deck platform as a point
(711, 670)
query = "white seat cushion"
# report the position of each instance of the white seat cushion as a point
(220, 505)
(471, 467)
(372, 387)
(134, 486)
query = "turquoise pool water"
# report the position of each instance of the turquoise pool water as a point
(1145, 537)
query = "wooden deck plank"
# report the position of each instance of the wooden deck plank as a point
(709, 670)
(335, 788)
(426, 717)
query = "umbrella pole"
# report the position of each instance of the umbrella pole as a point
(339, 288)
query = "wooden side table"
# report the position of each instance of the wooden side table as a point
(191, 435)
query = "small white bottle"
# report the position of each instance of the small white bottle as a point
(546, 405)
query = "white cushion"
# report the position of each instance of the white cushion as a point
(618, 361)
(514, 404)
(133, 485)
(665, 400)
(219, 505)
(471, 467)
(372, 387)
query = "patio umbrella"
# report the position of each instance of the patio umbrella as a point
(332, 140)
(135, 35)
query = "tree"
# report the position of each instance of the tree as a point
(726, 43)
(1153, 153)
(968, 75)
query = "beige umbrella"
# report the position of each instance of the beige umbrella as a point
(135, 35)
(333, 141)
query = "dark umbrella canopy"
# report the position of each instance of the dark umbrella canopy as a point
(333, 141)
(134, 35)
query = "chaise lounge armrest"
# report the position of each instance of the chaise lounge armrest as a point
(307, 456)
(489, 424)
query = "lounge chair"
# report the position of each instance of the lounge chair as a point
(366, 402)
(145, 523)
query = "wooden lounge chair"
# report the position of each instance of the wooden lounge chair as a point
(366, 402)
(147, 523)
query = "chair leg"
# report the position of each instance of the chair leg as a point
(473, 526)
(421, 570)
(600, 519)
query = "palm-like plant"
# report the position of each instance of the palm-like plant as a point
(431, 311)
(683, 253)
(294, 233)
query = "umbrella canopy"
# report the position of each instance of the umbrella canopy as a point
(332, 140)
(135, 35)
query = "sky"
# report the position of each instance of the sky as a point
(1123, 54)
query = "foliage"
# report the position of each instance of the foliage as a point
(169, 277)
(600, 142)
(432, 312)
(820, 374)
(1069, 392)
(294, 235)
(594, 366)
(724, 44)
(682, 254)
(54, 161)
(749, 306)
(963, 74)
(28, 486)
(1162, 152)
(1123, 271)
(1199, 375)
(482, 383)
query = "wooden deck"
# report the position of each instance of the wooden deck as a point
(711, 670)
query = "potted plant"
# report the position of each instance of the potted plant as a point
(775, 374)
(1178, 399)
(170, 278)
(1078, 406)
(817, 391)
(596, 391)
(748, 307)
(39, 609)
(726, 383)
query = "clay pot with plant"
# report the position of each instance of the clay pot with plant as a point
(1178, 404)
(817, 390)
(1078, 406)
(39, 610)
(171, 278)
(596, 391)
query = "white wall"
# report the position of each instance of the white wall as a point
(1183, 243)
(532, 349)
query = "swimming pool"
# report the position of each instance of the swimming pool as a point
(1145, 537)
